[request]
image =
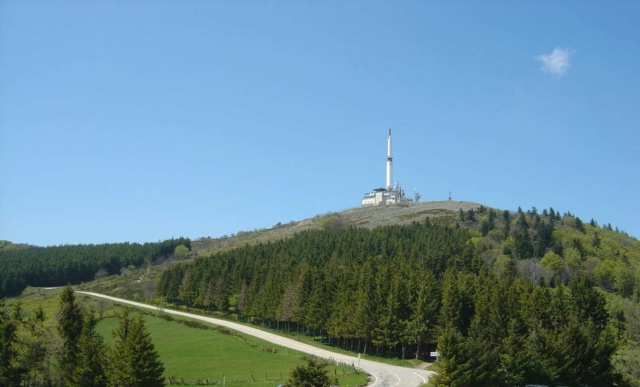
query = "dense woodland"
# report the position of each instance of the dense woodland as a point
(22, 266)
(506, 298)
(71, 353)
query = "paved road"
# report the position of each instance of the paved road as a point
(383, 375)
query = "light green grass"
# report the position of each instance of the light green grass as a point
(196, 354)
(314, 341)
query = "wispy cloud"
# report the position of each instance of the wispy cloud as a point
(556, 63)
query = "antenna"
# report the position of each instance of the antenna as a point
(449, 195)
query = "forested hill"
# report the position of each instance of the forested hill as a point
(506, 298)
(22, 266)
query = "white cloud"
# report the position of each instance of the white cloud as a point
(556, 63)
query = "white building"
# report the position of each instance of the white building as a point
(392, 194)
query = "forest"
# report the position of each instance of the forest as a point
(505, 298)
(22, 266)
(69, 351)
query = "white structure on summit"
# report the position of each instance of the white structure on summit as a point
(389, 162)
(392, 194)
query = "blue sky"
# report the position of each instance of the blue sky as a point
(138, 121)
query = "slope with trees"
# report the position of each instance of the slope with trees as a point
(516, 290)
(58, 265)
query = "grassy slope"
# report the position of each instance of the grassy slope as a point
(191, 354)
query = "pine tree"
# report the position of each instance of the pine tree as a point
(147, 367)
(34, 347)
(134, 359)
(70, 329)
(424, 302)
(119, 358)
(89, 371)
(312, 374)
(8, 375)
(453, 360)
(514, 358)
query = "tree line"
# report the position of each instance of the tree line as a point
(59, 265)
(73, 353)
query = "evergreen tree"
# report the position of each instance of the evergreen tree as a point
(35, 342)
(424, 302)
(312, 374)
(119, 358)
(8, 375)
(523, 248)
(453, 365)
(588, 302)
(506, 217)
(471, 215)
(133, 358)
(70, 329)
(515, 359)
(485, 227)
(89, 371)
(595, 242)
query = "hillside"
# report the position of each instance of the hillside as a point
(368, 217)
(437, 275)
(531, 285)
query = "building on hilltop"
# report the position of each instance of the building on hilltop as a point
(393, 193)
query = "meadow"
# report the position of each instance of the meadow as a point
(195, 353)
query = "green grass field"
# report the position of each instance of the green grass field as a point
(192, 355)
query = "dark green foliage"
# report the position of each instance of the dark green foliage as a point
(134, 360)
(424, 304)
(9, 376)
(590, 305)
(59, 265)
(27, 348)
(89, 370)
(523, 248)
(311, 374)
(471, 215)
(454, 360)
(520, 333)
(70, 323)
(361, 287)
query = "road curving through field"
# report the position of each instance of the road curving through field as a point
(382, 375)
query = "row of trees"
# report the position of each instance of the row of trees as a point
(332, 282)
(80, 357)
(58, 265)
